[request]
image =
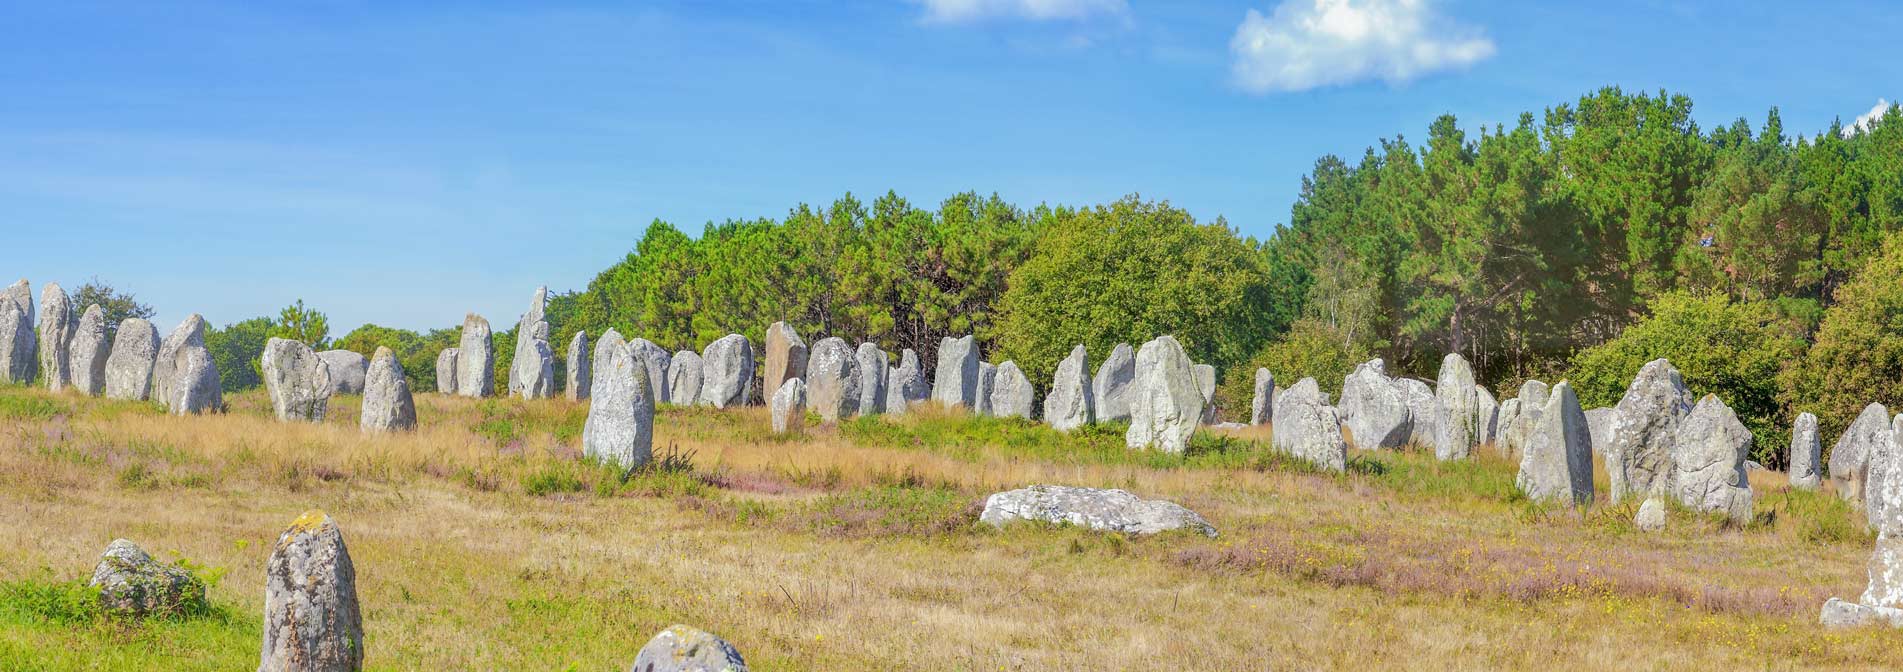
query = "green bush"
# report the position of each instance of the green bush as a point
(1309, 349)
(1857, 357)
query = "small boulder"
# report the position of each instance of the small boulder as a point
(789, 406)
(1651, 516)
(131, 582)
(312, 622)
(1111, 386)
(684, 649)
(1093, 508)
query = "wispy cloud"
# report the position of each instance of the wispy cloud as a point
(969, 11)
(1307, 44)
(1868, 120)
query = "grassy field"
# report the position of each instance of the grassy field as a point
(483, 541)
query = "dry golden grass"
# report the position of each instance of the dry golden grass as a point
(854, 548)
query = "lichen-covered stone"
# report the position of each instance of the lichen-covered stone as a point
(56, 337)
(1093, 508)
(347, 370)
(832, 385)
(446, 367)
(1883, 484)
(1458, 396)
(1165, 404)
(1111, 386)
(532, 365)
(1556, 464)
(1849, 458)
(684, 649)
(130, 582)
(312, 622)
(475, 359)
(87, 354)
(1262, 406)
(1707, 460)
(658, 361)
(1644, 426)
(906, 385)
(1011, 393)
(786, 357)
(387, 404)
(297, 381)
(1070, 403)
(685, 376)
(21, 294)
(872, 379)
(726, 372)
(1806, 453)
(1308, 428)
(955, 379)
(129, 368)
(578, 372)
(620, 424)
(1533, 397)
(789, 406)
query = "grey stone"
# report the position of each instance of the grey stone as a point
(579, 375)
(955, 379)
(1885, 572)
(387, 404)
(872, 379)
(1600, 421)
(684, 649)
(1487, 416)
(347, 370)
(87, 354)
(1459, 398)
(832, 384)
(1849, 458)
(658, 362)
(1262, 406)
(906, 385)
(789, 406)
(475, 359)
(56, 336)
(1011, 393)
(1070, 403)
(1165, 404)
(312, 622)
(1707, 459)
(685, 375)
(195, 387)
(446, 367)
(1644, 425)
(532, 365)
(1206, 385)
(1557, 462)
(1375, 407)
(189, 333)
(1806, 453)
(1651, 516)
(1533, 397)
(1111, 386)
(18, 346)
(1093, 508)
(620, 424)
(786, 357)
(1840, 614)
(130, 582)
(1503, 422)
(1883, 485)
(726, 372)
(129, 368)
(21, 294)
(297, 381)
(987, 375)
(1308, 428)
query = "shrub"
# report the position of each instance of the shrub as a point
(1310, 349)
(1857, 357)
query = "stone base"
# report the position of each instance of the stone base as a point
(1840, 614)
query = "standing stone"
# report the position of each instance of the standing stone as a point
(311, 619)
(1460, 398)
(1533, 398)
(832, 386)
(1206, 384)
(1883, 485)
(1011, 393)
(189, 333)
(21, 294)
(1600, 421)
(1488, 427)
(387, 405)
(296, 379)
(446, 367)
(18, 348)
(347, 370)
(620, 424)
(789, 406)
(955, 380)
(1308, 428)
(987, 376)
(532, 366)
(1557, 462)
(657, 361)
(1707, 458)
(475, 359)
(1070, 403)
(579, 376)
(726, 372)
(1849, 459)
(1644, 425)
(1806, 453)
(1111, 387)
(683, 649)
(1426, 419)
(1375, 407)
(1262, 406)
(872, 379)
(88, 352)
(56, 336)
(684, 377)
(195, 387)
(129, 367)
(1503, 423)
(906, 385)
(786, 357)
(525, 333)
(1165, 405)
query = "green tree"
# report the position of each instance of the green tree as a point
(117, 306)
(1310, 349)
(1858, 354)
(298, 323)
(237, 350)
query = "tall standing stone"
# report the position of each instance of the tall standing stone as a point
(525, 333)
(88, 352)
(786, 357)
(129, 367)
(1806, 453)
(1308, 428)
(1111, 386)
(906, 385)
(1849, 458)
(832, 385)
(1556, 464)
(18, 347)
(579, 375)
(532, 366)
(311, 619)
(1262, 406)
(789, 406)
(685, 376)
(727, 372)
(195, 387)
(475, 359)
(1707, 460)
(296, 379)
(1883, 493)
(1165, 404)
(620, 424)
(1011, 393)
(347, 370)
(56, 336)
(1426, 418)
(955, 380)
(188, 334)
(987, 375)
(1375, 407)
(1206, 384)
(21, 294)
(1459, 396)
(872, 379)
(1070, 403)
(387, 404)
(446, 367)
(1644, 427)
(656, 359)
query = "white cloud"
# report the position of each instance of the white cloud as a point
(1868, 120)
(966, 11)
(1313, 43)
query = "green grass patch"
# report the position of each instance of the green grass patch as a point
(1423, 474)
(15, 405)
(889, 511)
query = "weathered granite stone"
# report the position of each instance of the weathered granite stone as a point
(1533, 397)
(56, 336)
(129, 367)
(1262, 407)
(87, 354)
(347, 370)
(195, 387)
(872, 379)
(1883, 485)
(1165, 405)
(1487, 413)
(727, 372)
(1600, 421)
(387, 404)
(1011, 393)
(1644, 425)
(789, 406)
(1806, 453)
(1503, 423)
(1374, 407)
(311, 619)
(832, 385)
(1849, 459)
(1307, 427)
(446, 367)
(906, 385)
(684, 649)
(532, 365)
(297, 381)
(685, 374)
(1651, 516)
(786, 357)
(1707, 459)
(1111, 386)
(1093, 508)
(987, 375)
(1840, 614)
(658, 362)
(1557, 462)
(1885, 572)
(1454, 388)
(1205, 375)
(475, 359)
(18, 345)
(21, 294)
(1070, 403)
(578, 373)
(130, 582)
(955, 380)
(620, 424)
(188, 334)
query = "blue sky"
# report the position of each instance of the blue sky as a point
(402, 163)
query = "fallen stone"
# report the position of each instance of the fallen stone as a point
(1806, 453)
(475, 359)
(131, 583)
(1011, 393)
(297, 381)
(347, 370)
(1111, 386)
(1557, 462)
(620, 424)
(312, 622)
(1308, 428)
(726, 372)
(1644, 426)
(579, 374)
(129, 368)
(786, 357)
(387, 404)
(87, 354)
(1165, 404)
(1093, 508)
(684, 649)
(1840, 614)
(685, 375)
(1070, 403)
(789, 406)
